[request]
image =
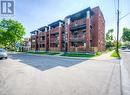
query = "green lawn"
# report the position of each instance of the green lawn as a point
(44, 53)
(78, 55)
(68, 54)
(52, 53)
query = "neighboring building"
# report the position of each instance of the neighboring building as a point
(25, 45)
(34, 38)
(83, 31)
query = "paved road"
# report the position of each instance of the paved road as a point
(125, 64)
(45, 62)
(126, 60)
(90, 77)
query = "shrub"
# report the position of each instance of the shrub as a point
(114, 54)
(78, 55)
(98, 53)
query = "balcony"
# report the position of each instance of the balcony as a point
(41, 33)
(54, 40)
(33, 43)
(33, 36)
(55, 30)
(77, 27)
(79, 22)
(41, 41)
(77, 39)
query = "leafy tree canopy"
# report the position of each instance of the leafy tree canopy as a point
(11, 32)
(109, 35)
(109, 38)
(126, 34)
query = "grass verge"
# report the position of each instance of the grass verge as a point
(78, 55)
(114, 54)
(44, 53)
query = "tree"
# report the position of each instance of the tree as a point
(115, 43)
(109, 38)
(126, 34)
(10, 32)
(1, 36)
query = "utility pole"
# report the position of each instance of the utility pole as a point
(117, 51)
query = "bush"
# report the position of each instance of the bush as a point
(37, 52)
(47, 53)
(110, 49)
(78, 55)
(114, 54)
(98, 53)
(53, 53)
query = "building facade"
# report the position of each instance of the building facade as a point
(83, 31)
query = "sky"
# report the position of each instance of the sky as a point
(34, 14)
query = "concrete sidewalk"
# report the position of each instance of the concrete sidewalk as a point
(91, 77)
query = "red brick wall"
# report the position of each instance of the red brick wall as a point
(97, 34)
(98, 29)
(88, 34)
(59, 30)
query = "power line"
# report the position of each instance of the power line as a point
(124, 16)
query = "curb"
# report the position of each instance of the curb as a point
(125, 82)
(78, 58)
(121, 87)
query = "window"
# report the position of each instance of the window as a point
(74, 44)
(33, 40)
(76, 24)
(75, 34)
(84, 20)
(43, 37)
(81, 44)
(54, 45)
(84, 32)
(42, 45)
(33, 46)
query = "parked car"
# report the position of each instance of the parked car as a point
(3, 53)
(123, 47)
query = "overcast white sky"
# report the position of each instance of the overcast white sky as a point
(37, 13)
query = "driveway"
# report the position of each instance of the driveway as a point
(19, 76)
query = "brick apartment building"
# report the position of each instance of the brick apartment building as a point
(83, 31)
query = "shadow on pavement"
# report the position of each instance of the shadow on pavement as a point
(44, 62)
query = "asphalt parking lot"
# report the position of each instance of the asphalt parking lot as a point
(23, 74)
(45, 62)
